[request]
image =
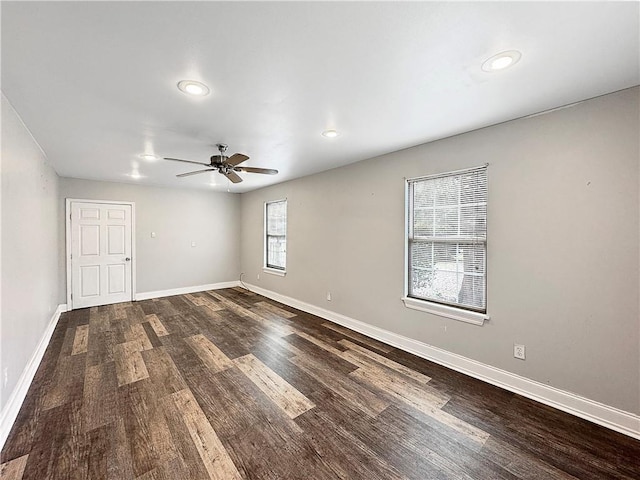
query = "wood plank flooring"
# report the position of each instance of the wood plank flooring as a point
(230, 385)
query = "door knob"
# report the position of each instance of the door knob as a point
(127, 259)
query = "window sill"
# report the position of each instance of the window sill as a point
(274, 271)
(459, 314)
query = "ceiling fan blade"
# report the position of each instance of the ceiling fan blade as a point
(233, 176)
(268, 171)
(196, 172)
(236, 159)
(186, 161)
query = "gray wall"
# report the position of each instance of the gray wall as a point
(29, 275)
(178, 217)
(563, 259)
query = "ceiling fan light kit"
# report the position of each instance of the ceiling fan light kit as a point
(227, 166)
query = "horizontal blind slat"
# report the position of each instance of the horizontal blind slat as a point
(449, 239)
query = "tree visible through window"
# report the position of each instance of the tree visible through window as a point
(447, 238)
(276, 235)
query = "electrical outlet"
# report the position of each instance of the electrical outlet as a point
(258, 276)
(153, 234)
(328, 296)
(6, 376)
(518, 351)
(193, 244)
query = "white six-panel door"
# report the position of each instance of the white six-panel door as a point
(100, 254)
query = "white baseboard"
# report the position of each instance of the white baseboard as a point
(183, 290)
(12, 408)
(596, 412)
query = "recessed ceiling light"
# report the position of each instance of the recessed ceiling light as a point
(330, 134)
(501, 61)
(193, 87)
(148, 156)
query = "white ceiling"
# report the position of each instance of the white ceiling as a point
(96, 81)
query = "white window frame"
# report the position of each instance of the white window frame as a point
(439, 309)
(281, 272)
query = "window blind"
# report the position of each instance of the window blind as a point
(447, 238)
(276, 234)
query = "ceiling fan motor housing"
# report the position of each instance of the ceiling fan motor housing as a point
(222, 158)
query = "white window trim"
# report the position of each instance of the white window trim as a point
(273, 271)
(447, 311)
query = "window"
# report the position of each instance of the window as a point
(275, 229)
(447, 242)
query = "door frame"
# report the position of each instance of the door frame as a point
(67, 216)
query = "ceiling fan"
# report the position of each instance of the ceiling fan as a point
(227, 166)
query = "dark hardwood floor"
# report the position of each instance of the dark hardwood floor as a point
(229, 385)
